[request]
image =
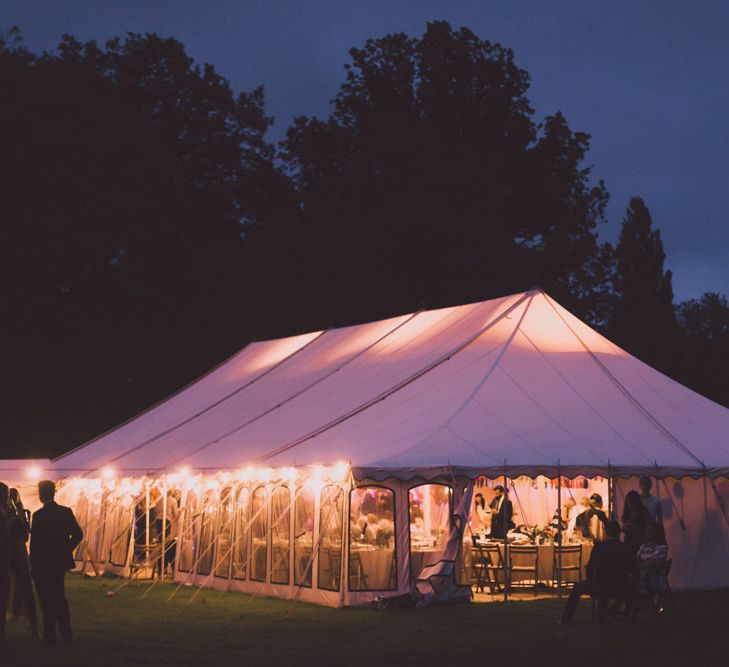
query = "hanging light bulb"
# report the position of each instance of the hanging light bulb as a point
(33, 473)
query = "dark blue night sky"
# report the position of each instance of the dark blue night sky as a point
(648, 80)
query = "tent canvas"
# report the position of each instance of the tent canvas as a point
(515, 386)
(23, 474)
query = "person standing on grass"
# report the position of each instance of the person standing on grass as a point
(4, 557)
(19, 531)
(54, 535)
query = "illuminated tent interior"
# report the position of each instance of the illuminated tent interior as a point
(327, 466)
(23, 474)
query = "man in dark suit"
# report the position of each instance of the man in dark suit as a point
(501, 511)
(53, 537)
(609, 573)
(4, 557)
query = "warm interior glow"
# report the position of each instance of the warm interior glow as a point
(315, 483)
(339, 471)
(33, 473)
(313, 477)
(550, 334)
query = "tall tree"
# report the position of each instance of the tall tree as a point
(704, 338)
(129, 177)
(430, 183)
(643, 319)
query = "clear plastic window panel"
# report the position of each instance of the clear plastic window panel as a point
(82, 511)
(330, 530)
(207, 533)
(240, 545)
(372, 539)
(280, 534)
(259, 532)
(303, 536)
(429, 510)
(224, 547)
(121, 522)
(142, 524)
(105, 526)
(187, 537)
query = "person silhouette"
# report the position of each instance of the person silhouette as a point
(501, 513)
(4, 557)
(54, 535)
(19, 532)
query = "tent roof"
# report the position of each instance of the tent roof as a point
(24, 470)
(515, 381)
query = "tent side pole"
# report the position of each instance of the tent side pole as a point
(344, 563)
(611, 504)
(506, 540)
(163, 555)
(146, 524)
(559, 529)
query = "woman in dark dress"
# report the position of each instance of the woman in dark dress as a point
(23, 603)
(635, 521)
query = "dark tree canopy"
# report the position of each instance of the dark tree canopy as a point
(128, 179)
(431, 183)
(643, 318)
(148, 229)
(704, 345)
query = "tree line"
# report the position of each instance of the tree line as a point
(150, 228)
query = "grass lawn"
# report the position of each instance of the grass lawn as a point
(239, 629)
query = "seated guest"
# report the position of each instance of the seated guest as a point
(651, 560)
(635, 519)
(609, 573)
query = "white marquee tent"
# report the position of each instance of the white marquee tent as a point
(510, 387)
